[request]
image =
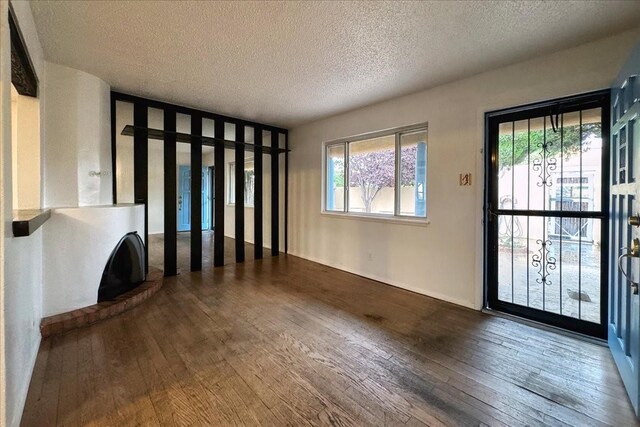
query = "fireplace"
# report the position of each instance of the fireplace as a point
(125, 268)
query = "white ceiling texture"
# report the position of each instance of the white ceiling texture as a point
(287, 63)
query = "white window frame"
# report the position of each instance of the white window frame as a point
(231, 186)
(396, 217)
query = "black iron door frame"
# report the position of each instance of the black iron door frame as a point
(492, 209)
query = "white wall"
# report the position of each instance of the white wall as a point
(23, 311)
(78, 243)
(20, 258)
(27, 175)
(77, 138)
(444, 258)
(68, 133)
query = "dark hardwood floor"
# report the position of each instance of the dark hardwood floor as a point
(156, 251)
(284, 341)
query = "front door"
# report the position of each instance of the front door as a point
(624, 317)
(206, 199)
(547, 217)
(184, 198)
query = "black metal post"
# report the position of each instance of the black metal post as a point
(257, 199)
(141, 169)
(286, 193)
(196, 193)
(275, 195)
(114, 191)
(218, 232)
(170, 195)
(239, 202)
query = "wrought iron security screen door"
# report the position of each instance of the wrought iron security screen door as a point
(547, 212)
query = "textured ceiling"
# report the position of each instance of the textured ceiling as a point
(292, 62)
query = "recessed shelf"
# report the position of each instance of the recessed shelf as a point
(159, 134)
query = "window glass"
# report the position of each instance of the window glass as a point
(372, 175)
(249, 183)
(334, 200)
(413, 174)
(382, 175)
(232, 183)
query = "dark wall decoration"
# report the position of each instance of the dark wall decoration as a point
(23, 76)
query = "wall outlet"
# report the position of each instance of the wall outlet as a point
(465, 179)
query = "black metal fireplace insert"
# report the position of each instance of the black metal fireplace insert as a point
(125, 268)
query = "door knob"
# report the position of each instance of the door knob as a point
(633, 252)
(634, 220)
(635, 248)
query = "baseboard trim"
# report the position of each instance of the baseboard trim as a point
(387, 281)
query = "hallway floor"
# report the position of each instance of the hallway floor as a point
(156, 250)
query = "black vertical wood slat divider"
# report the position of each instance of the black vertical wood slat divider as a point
(196, 192)
(114, 186)
(257, 199)
(170, 194)
(218, 231)
(141, 169)
(275, 196)
(286, 193)
(141, 151)
(239, 202)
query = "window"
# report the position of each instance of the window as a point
(249, 183)
(382, 174)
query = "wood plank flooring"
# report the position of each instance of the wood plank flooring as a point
(156, 251)
(285, 341)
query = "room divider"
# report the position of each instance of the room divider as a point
(141, 132)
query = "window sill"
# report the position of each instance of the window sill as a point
(420, 222)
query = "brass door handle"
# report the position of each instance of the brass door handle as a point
(634, 252)
(634, 220)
